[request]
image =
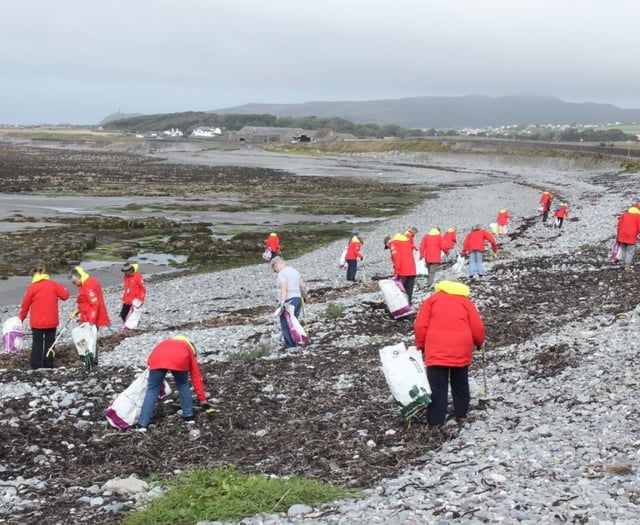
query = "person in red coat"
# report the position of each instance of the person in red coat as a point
(273, 243)
(474, 244)
(352, 256)
(178, 356)
(560, 213)
(449, 240)
(40, 302)
(545, 204)
(134, 289)
(404, 264)
(627, 235)
(447, 328)
(503, 221)
(90, 301)
(431, 249)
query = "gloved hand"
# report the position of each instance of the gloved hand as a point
(136, 303)
(279, 311)
(362, 258)
(480, 350)
(206, 407)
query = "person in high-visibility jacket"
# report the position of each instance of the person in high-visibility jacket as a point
(134, 289)
(503, 221)
(627, 235)
(431, 249)
(352, 256)
(474, 245)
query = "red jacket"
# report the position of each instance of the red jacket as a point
(42, 299)
(629, 226)
(431, 247)
(448, 326)
(562, 212)
(178, 355)
(503, 218)
(91, 301)
(273, 242)
(353, 249)
(449, 239)
(133, 287)
(474, 241)
(401, 248)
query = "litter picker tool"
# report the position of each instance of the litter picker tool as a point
(52, 351)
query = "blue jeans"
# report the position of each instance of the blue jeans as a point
(475, 263)
(154, 384)
(297, 305)
(352, 268)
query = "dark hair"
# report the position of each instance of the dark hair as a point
(38, 268)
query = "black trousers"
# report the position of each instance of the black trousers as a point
(408, 283)
(124, 311)
(439, 379)
(42, 340)
(352, 268)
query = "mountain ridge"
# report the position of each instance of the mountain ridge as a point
(451, 112)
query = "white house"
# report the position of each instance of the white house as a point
(174, 132)
(204, 131)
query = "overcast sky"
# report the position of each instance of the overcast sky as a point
(77, 61)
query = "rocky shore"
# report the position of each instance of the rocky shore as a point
(554, 441)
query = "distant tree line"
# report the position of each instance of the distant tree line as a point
(190, 120)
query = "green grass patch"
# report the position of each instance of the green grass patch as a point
(334, 311)
(225, 494)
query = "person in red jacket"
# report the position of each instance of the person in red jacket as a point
(545, 205)
(431, 249)
(352, 256)
(90, 301)
(503, 221)
(411, 235)
(560, 213)
(134, 289)
(272, 243)
(40, 302)
(474, 244)
(404, 264)
(178, 356)
(449, 240)
(627, 236)
(447, 328)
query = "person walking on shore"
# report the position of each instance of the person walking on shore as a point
(40, 302)
(559, 214)
(503, 221)
(431, 249)
(449, 241)
(134, 289)
(627, 236)
(178, 356)
(290, 289)
(545, 205)
(404, 264)
(474, 245)
(272, 243)
(352, 256)
(447, 328)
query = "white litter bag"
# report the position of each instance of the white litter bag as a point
(133, 318)
(85, 337)
(12, 335)
(459, 266)
(343, 260)
(297, 331)
(421, 268)
(395, 297)
(124, 410)
(406, 376)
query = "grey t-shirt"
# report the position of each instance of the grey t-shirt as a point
(292, 277)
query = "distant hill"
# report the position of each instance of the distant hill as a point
(451, 112)
(117, 116)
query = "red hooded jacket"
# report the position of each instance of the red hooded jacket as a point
(401, 248)
(180, 355)
(629, 226)
(273, 242)
(91, 301)
(431, 247)
(42, 299)
(448, 326)
(503, 217)
(449, 239)
(353, 249)
(474, 241)
(133, 287)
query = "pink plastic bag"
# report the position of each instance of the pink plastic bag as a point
(296, 330)
(614, 255)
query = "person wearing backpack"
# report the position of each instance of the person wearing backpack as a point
(40, 302)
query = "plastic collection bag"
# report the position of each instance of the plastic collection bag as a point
(133, 318)
(267, 255)
(85, 338)
(459, 266)
(343, 260)
(124, 410)
(297, 331)
(395, 297)
(614, 254)
(12, 336)
(405, 372)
